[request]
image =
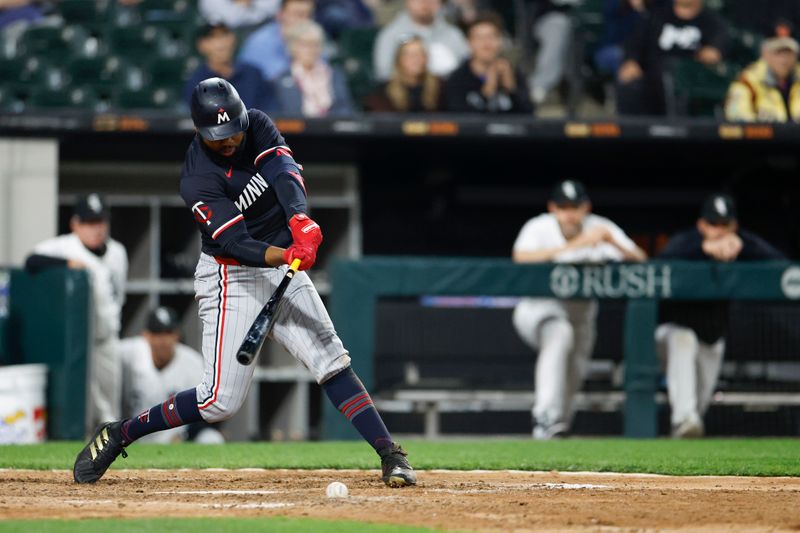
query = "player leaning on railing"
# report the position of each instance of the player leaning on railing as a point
(248, 196)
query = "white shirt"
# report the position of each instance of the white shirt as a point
(107, 274)
(543, 232)
(145, 386)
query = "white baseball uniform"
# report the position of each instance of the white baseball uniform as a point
(230, 297)
(144, 385)
(107, 274)
(562, 330)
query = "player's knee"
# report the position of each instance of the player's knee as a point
(560, 331)
(222, 410)
(684, 340)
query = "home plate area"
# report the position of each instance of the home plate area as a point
(447, 500)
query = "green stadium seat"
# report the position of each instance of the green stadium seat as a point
(103, 73)
(54, 43)
(73, 98)
(172, 71)
(147, 98)
(138, 43)
(700, 91)
(354, 56)
(83, 11)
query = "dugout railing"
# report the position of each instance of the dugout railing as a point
(358, 285)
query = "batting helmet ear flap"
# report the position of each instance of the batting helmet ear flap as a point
(217, 110)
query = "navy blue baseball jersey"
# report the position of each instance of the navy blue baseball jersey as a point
(243, 203)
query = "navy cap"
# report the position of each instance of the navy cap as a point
(719, 209)
(162, 320)
(91, 207)
(569, 192)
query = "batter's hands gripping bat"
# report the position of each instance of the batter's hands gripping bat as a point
(254, 339)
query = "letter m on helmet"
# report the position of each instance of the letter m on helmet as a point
(222, 116)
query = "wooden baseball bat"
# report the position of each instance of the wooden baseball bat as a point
(262, 325)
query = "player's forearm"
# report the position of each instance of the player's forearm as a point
(536, 256)
(274, 256)
(247, 251)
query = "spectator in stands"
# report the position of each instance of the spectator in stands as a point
(156, 365)
(620, 17)
(238, 14)
(683, 30)
(769, 89)
(487, 82)
(311, 87)
(265, 48)
(445, 43)
(217, 44)
(552, 29)
(18, 12)
(691, 336)
(563, 331)
(89, 247)
(336, 16)
(412, 88)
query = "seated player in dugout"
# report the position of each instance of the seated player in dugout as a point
(88, 246)
(690, 338)
(563, 331)
(156, 365)
(248, 196)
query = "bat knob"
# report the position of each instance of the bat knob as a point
(244, 358)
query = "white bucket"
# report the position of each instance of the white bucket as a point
(23, 409)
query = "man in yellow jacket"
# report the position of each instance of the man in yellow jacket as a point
(769, 89)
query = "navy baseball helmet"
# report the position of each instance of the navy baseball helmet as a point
(217, 110)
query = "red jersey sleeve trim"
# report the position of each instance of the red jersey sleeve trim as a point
(281, 148)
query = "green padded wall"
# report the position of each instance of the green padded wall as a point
(49, 323)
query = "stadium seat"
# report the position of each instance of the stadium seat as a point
(103, 73)
(54, 43)
(82, 11)
(172, 71)
(699, 90)
(73, 98)
(354, 56)
(140, 44)
(159, 98)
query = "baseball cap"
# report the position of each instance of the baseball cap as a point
(162, 320)
(719, 209)
(569, 192)
(782, 39)
(91, 207)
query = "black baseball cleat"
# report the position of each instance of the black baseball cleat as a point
(95, 458)
(396, 470)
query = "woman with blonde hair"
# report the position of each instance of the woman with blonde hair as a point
(311, 87)
(412, 88)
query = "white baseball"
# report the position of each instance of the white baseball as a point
(337, 489)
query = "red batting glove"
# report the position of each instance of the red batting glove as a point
(305, 232)
(306, 254)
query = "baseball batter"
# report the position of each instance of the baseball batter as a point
(563, 331)
(248, 196)
(88, 246)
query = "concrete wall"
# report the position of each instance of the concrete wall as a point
(28, 195)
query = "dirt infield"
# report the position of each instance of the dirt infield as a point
(471, 501)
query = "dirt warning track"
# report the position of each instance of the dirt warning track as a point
(466, 501)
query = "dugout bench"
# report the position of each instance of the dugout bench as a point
(357, 286)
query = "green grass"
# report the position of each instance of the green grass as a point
(217, 525)
(750, 457)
